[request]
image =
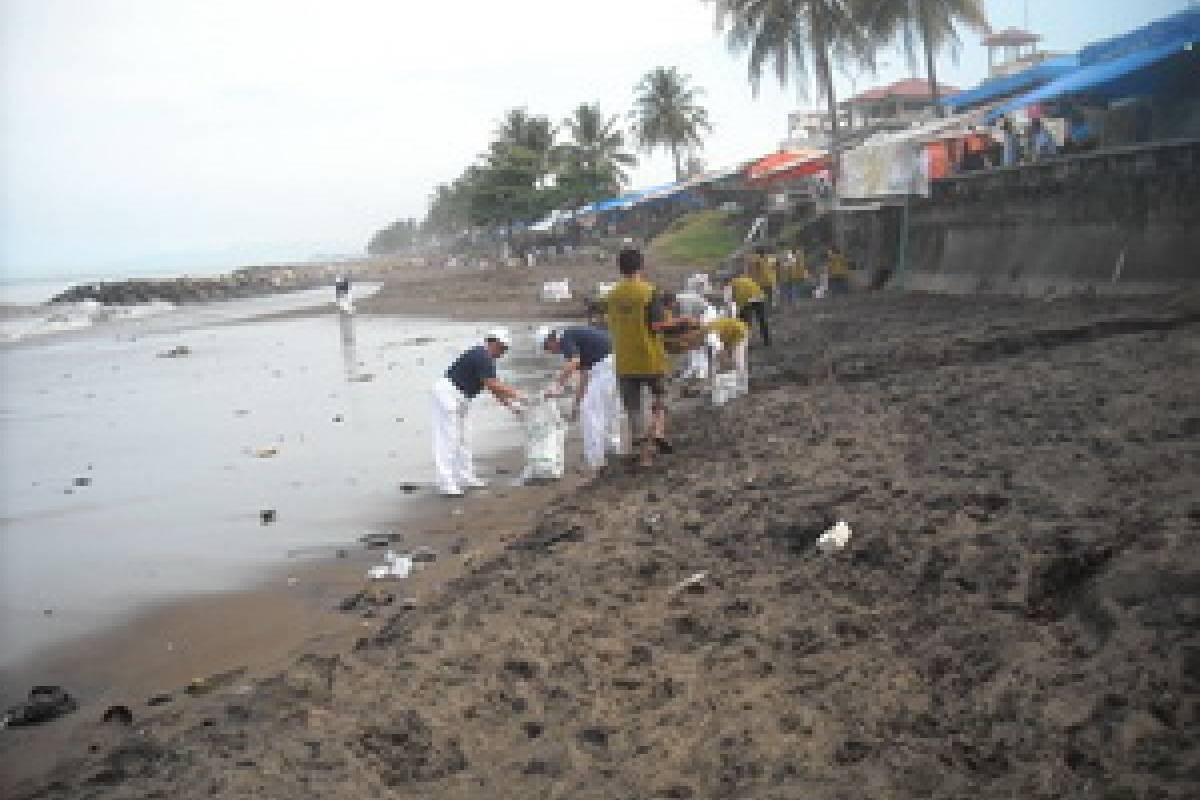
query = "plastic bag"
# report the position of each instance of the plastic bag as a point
(724, 388)
(545, 442)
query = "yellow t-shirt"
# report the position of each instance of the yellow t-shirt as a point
(799, 270)
(731, 331)
(762, 270)
(838, 268)
(745, 290)
(636, 349)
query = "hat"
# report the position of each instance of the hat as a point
(542, 335)
(500, 335)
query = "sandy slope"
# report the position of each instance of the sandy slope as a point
(1016, 615)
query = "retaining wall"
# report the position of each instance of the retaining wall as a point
(1117, 222)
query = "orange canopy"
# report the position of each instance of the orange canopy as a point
(778, 162)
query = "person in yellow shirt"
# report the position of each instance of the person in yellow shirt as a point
(837, 271)
(797, 281)
(731, 338)
(636, 322)
(751, 303)
(764, 269)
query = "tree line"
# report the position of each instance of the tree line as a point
(526, 171)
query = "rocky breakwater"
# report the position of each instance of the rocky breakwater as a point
(187, 289)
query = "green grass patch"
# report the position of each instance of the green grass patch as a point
(701, 238)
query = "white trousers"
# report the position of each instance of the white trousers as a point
(452, 459)
(740, 366)
(600, 414)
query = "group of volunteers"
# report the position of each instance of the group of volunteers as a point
(613, 369)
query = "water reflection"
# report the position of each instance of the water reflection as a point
(349, 347)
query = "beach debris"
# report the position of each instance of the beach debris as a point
(241, 412)
(363, 377)
(835, 538)
(373, 540)
(266, 516)
(119, 715)
(202, 686)
(397, 567)
(48, 612)
(338, 418)
(341, 552)
(160, 699)
(693, 584)
(178, 351)
(45, 703)
(409, 488)
(424, 555)
(82, 481)
(266, 452)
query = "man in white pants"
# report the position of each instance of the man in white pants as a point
(588, 352)
(471, 373)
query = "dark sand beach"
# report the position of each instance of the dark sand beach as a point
(1017, 612)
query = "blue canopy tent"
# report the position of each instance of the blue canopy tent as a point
(1008, 84)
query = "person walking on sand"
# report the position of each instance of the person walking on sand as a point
(588, 353)
(837, 271)
(471, 373)
(750, 303)
(763, 269)
(636, 321)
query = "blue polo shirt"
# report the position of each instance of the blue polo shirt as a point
(589, 345)
(471, 369)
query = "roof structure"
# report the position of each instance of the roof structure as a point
(1010, 37)
(911, 89)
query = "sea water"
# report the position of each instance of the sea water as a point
(128, 476)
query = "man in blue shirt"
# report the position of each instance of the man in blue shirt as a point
(471, 373)
(588, 352)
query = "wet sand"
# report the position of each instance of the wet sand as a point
(1016, 613)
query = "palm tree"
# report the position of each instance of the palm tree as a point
(595, 157)
(792, 34)
(666, 113)
(935, 23)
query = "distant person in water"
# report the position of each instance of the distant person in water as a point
(341, 288)
(470, 374)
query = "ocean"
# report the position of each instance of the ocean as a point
(141, 445)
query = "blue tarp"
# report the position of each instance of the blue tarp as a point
(1005, 85)
(1092, 77)
(1181, 27)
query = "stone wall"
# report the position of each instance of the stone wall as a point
(1120, 221)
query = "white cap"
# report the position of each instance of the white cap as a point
(501, 335)
(541, 335)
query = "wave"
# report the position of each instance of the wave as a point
(18, 322)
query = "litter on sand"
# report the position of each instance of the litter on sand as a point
(835, 538)
(398, 567)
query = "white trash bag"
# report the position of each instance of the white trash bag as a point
(725, 388)
(545, 442)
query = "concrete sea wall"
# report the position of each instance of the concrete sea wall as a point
(1119, 222)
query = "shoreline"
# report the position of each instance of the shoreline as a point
(565, 605)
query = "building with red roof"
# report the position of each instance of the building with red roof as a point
(896, 105)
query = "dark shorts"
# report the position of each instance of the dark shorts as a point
(631, 390)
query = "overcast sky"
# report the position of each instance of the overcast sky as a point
(161, 134)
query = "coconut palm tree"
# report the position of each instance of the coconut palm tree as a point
(935, 23)
(794, 35)
(666, 114)
(593, 162)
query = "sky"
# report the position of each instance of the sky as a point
(142, 135)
